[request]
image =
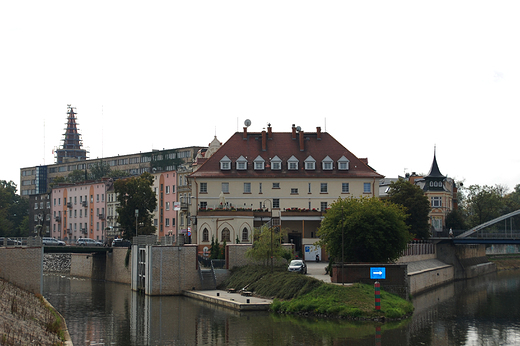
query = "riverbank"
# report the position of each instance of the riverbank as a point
(506, 262)
(28, 319)
(304, 295)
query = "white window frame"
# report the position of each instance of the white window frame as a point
(310, 163)
(292, 163)
(327, 164)
(343, 164)
(247, 187)
(345, 188)
(203, 188)
(324, 188)
(225, 187)
(367, 188)
(276, 163)
(259, 163)
(225, 163)
(241, 164)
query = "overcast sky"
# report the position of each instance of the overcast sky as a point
(389, 80)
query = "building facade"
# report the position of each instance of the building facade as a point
(287, 179)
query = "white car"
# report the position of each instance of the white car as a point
(47, 241)
(88, 242)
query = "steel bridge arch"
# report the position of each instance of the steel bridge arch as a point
(486, 224)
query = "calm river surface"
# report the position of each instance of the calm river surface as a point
(481, 311)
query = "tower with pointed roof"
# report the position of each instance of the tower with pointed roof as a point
(434, 181)
(71, 148)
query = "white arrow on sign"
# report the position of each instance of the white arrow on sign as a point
(378, 273)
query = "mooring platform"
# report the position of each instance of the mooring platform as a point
(235, 301)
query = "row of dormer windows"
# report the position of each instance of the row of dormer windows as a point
(259, 164)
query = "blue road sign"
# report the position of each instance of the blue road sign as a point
(377, 273)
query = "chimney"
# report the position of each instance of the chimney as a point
(269, 131)
(318, 132)
(302, 147)
(245, 133)
(264, 141)
(293, 131)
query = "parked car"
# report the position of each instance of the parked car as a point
(297, 266)
(47, 241)
(9, 241)
(88, 242)
(121, 243)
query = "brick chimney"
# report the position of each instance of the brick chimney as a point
(269, 131)
(264, 141)
(302, 146)
(293, 131)
(245, 133)
(318, 133)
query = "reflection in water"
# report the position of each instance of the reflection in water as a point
(472, 312)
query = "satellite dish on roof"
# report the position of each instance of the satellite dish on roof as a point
(247, 122)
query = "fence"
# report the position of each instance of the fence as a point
(419, 247)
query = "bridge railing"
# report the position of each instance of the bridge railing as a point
(419, 247)
(513, 234)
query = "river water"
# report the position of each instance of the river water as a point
(480, 311)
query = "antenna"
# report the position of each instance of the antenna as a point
(247, 123)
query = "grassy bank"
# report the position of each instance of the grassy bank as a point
(27, 319)
(301, 294)
(506, 262)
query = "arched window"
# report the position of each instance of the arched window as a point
(205, 235)
(245, 235)
(226, 235)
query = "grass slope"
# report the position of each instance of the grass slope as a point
(301, 294)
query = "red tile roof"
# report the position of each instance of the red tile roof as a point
(319, 145)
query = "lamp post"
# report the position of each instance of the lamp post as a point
(136, 216)
(271, 221)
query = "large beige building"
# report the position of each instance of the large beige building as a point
(286, 178)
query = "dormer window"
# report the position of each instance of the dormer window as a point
(292, 163)
(259, 163)
(225, 163)
(276, 163)
(241, 164)
(310, 164)
(343, 164)
(327, 164)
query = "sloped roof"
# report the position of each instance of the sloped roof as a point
(434, 170)
(319, 145)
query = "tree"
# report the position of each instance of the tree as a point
(267, 243)
(455, 220)
(136, 193)
(364, 230)
(77, 176)
(484, 203)
(99, 170)
(14, 211)
(417, 206)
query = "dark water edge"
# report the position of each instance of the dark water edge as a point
(471, 312)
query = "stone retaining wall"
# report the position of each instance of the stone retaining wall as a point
(22, 266)
(56, 263)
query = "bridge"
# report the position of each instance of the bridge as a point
(479, 235)
(76, 249)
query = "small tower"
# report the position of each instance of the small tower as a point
(70, 150)
(434, 181)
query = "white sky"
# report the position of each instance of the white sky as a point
(389, 80)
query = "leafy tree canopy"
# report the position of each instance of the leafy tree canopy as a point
(267, 242)
(136, 193)
(370, 229)
(417, 206)
(484, 203)
(13, 211)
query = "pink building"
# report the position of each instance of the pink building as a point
(78, 211)
(165, 215)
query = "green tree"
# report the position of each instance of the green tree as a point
(456, 220)
(267, 244)
(417, 206)
(214, 250)
(77, 176)
(370, 230)
(136, 193)
(99, 170)
(484, 203)
(13, 211)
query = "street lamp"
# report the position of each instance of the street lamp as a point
(136, 215)
(271, 222)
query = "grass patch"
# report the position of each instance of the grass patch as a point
(301, 294)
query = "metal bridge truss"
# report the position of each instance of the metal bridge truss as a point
(486, 224)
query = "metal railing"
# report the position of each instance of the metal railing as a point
(419, 247)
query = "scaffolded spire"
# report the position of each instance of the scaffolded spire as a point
(71, 149)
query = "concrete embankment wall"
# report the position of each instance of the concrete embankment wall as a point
(118, 268)
(503, 249)
(23, 267)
